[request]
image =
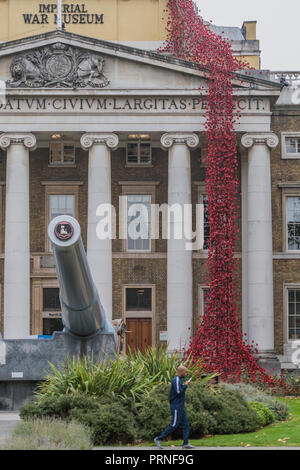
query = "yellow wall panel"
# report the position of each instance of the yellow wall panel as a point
(123, 20)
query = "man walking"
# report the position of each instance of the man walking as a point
(179, 417)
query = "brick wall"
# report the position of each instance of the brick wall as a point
(285, 270)
(40, 171)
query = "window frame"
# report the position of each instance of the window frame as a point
(143, 189)
(284, 154)
(128, 250)
(139, 163)
(286, 288)
(62, 161)
(201, 194)
(68, 188)
(37, 312)
(201, 289)
(286, 193)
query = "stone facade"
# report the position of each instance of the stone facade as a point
(157, 96)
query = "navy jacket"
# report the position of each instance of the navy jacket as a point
(177, 393)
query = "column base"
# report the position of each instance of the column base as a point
(269, 361)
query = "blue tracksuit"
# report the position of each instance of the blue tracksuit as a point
(179, 417)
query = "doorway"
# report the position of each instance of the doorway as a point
(139, 316)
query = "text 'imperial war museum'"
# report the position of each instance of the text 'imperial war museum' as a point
(92, 115)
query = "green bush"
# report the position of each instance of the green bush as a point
(292, 379)
(251, 393)
(265, 415)
(110, 424)
(57, 407)
(110, 420)
(215, 411)
(231, 412)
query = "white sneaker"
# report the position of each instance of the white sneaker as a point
(158, 443)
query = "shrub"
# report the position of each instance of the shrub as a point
(232, 413)
(292, 379)
(265, 415)
(57, 407)
(250, 394)
(110, 423)
(215, 411)
(108, 418)
(49, 434)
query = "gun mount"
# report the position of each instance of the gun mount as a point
(87, 331)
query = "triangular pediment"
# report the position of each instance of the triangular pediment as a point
(60, 59)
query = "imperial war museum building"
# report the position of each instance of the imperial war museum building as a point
(91, 116)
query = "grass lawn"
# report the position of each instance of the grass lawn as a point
(280, 434)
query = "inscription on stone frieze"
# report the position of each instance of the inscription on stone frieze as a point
(107, 104)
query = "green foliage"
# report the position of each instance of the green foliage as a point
(108, 418)
(49, 434)
(159, 363)
(128, 377)
(57, 406)
(110, 424)
(265, 415)
(214, 411)
(251, 393)
(292, 379)
(123, 378)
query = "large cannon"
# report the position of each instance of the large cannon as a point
(87, 331)
(82, 311)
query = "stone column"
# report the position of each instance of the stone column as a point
(99, 252)
(260, 248)
(17, 247)
(179, 262)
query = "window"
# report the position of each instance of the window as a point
(293, 223)
(138, 299)
(203, 298)
(138, 153)
(293, 314)
(51, 299)
(62, 153)
(206, 223)
(139, 222)
(203, 199)
(290, 145)
(61, 204)
(52, 320)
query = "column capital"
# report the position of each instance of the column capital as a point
(260, 138)
(189, 139)
(90, 138)
(11, 138)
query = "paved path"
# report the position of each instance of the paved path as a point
(8, 421)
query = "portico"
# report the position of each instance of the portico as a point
(136, 93)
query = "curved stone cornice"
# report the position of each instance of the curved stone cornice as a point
(188, 138)
(265, 138)
(90, 138)
(9, 138)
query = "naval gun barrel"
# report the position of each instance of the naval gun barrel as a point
(82, 312)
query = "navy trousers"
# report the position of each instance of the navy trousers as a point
(179, 418)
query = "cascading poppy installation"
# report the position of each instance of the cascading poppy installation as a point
(218, 339)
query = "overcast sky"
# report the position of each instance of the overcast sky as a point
(278, 27)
